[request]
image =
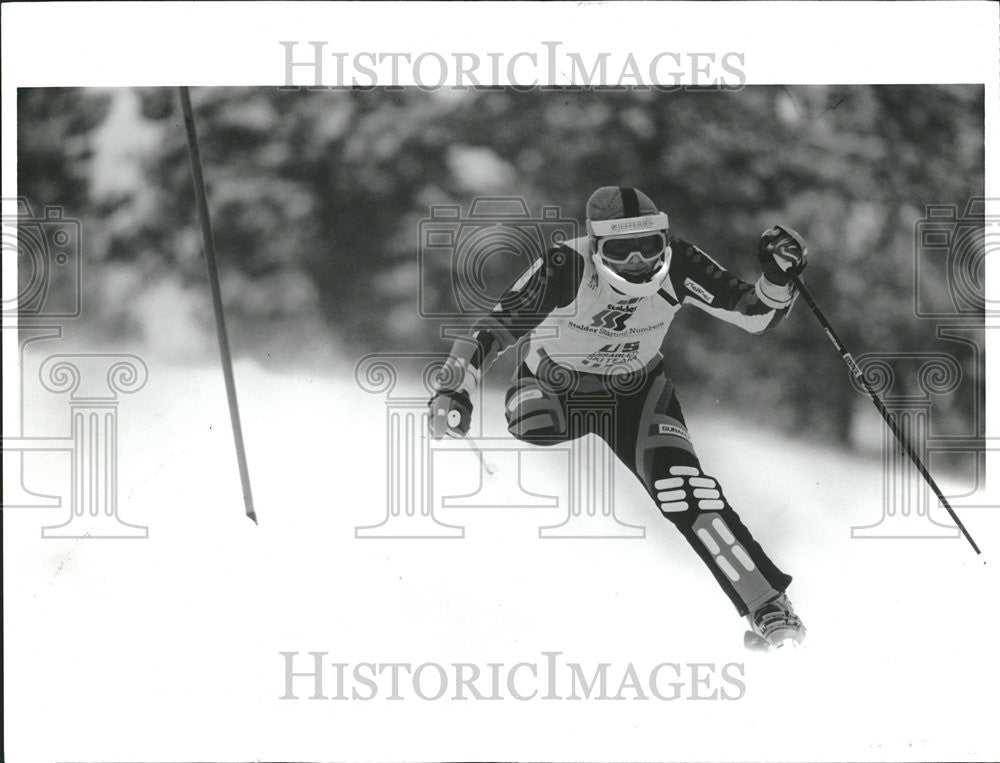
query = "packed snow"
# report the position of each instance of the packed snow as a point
(102, 635)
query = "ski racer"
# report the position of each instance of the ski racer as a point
(593, 313)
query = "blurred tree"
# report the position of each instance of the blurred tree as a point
(55, 145)
(55, 150)
(851, 167)
(317, 199)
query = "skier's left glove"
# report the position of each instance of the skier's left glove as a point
(450, 414)
(782, 253)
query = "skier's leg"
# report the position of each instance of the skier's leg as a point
(535, 414)
(654, 443)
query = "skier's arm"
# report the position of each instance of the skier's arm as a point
(753, 307)
(550, 283)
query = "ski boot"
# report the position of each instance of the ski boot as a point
(774, 625)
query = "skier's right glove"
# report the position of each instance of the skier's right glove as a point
(450, 414)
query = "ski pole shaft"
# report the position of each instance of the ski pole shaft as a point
(490, 468)
(454, 417)
(213, 281)
(890, 422)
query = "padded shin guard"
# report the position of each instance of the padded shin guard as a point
(695, 504)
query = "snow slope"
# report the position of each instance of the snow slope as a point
(168, 647)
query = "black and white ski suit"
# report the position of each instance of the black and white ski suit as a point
(592, 365)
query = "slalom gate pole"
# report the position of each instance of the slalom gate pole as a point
(893, 426)
(213, 282)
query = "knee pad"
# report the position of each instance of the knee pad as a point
(686, 489)
(534, 415)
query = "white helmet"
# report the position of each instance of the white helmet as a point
(628, 240)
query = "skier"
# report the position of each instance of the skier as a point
(595, 310)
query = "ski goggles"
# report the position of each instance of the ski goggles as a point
(646, 248)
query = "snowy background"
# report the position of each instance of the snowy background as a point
(168, 647)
